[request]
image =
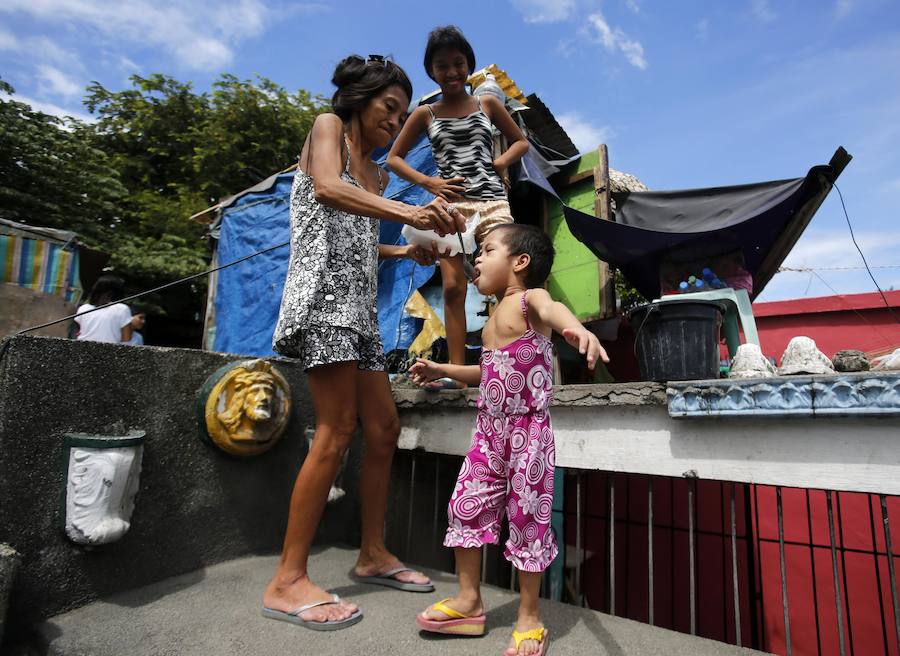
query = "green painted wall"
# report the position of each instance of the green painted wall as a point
(574, 279)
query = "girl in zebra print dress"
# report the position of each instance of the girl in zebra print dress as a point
(460, 128)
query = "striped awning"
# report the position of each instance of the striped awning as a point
(40, 265)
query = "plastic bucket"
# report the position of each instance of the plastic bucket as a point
(678, 339)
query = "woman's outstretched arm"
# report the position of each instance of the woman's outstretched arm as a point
(325, 168)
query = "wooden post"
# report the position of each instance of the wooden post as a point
(602, 210)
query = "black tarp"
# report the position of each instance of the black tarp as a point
(762, 220)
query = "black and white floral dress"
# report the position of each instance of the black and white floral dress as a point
(328, 308)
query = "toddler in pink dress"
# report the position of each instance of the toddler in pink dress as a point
(509, 467)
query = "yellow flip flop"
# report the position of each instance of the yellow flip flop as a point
(541, 635)
(458, 624)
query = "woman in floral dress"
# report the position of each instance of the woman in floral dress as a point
(328, 321)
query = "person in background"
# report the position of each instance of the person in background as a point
(109, 324)
(460, 128)
(138, 321)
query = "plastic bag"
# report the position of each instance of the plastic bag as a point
(448, 242)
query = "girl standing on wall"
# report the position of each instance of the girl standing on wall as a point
(328, 321)
(460, 128)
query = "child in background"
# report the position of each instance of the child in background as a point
(511, 462)
(110, 324)
(460, 128)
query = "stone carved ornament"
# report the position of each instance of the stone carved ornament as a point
(102, 479)
(245, 407)
(846, 395)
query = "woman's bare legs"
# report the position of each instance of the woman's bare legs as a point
(333, 389)
(381, 428)
(455, 286)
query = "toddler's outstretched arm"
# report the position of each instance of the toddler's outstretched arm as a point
(558, 317)
(425, 371)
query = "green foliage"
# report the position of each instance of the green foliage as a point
(627, 295)
(50, 175)
(157, 153)
(251, 131)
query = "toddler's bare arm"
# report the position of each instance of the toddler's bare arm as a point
(558, 317)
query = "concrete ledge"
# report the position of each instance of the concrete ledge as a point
(216, 611)
(600, 396)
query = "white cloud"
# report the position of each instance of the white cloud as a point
(53, 81)
(842, 8)
(762, 11)
(824, 250)
(614, 39)
(128, 64)
(200, 35)
(633, 6)
(8, 41)
(585, 135)
(702, 27)
(835, 249)
(49, 108)
(545, 11)
(37, 48)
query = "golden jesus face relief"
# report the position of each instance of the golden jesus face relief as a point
(247, 408)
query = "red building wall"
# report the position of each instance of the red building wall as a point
(857, 321)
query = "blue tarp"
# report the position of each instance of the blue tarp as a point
(248, 295)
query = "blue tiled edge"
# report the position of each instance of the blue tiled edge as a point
(870, 394)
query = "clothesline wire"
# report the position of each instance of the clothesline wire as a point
(855, 311)
(844, 268)
(859, 250)
(155, 289)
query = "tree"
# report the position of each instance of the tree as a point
(178, 151)
(50, 175)
(157, 153)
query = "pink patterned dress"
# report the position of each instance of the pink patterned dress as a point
(509, 467)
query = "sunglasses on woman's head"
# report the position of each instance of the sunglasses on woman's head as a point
(379, 59)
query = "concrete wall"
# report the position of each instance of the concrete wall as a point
(196, 506)
(24, 308)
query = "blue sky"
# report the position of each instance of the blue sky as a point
(686, 94)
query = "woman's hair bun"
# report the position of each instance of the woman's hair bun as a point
(359, 80)
(349, 70)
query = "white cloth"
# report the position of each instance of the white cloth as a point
(103, 325)
(136, 339)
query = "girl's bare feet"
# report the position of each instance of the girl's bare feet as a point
(286, 595)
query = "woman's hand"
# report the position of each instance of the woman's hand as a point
(449, 190)
(425, 371)
(439, 216)
(422, 255)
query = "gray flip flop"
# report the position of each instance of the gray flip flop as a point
(387, 579)
(294, 617)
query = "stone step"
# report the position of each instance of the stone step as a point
(216, 611)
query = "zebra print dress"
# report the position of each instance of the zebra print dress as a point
(464, 147)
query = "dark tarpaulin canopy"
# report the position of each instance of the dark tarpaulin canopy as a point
(762, 220)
